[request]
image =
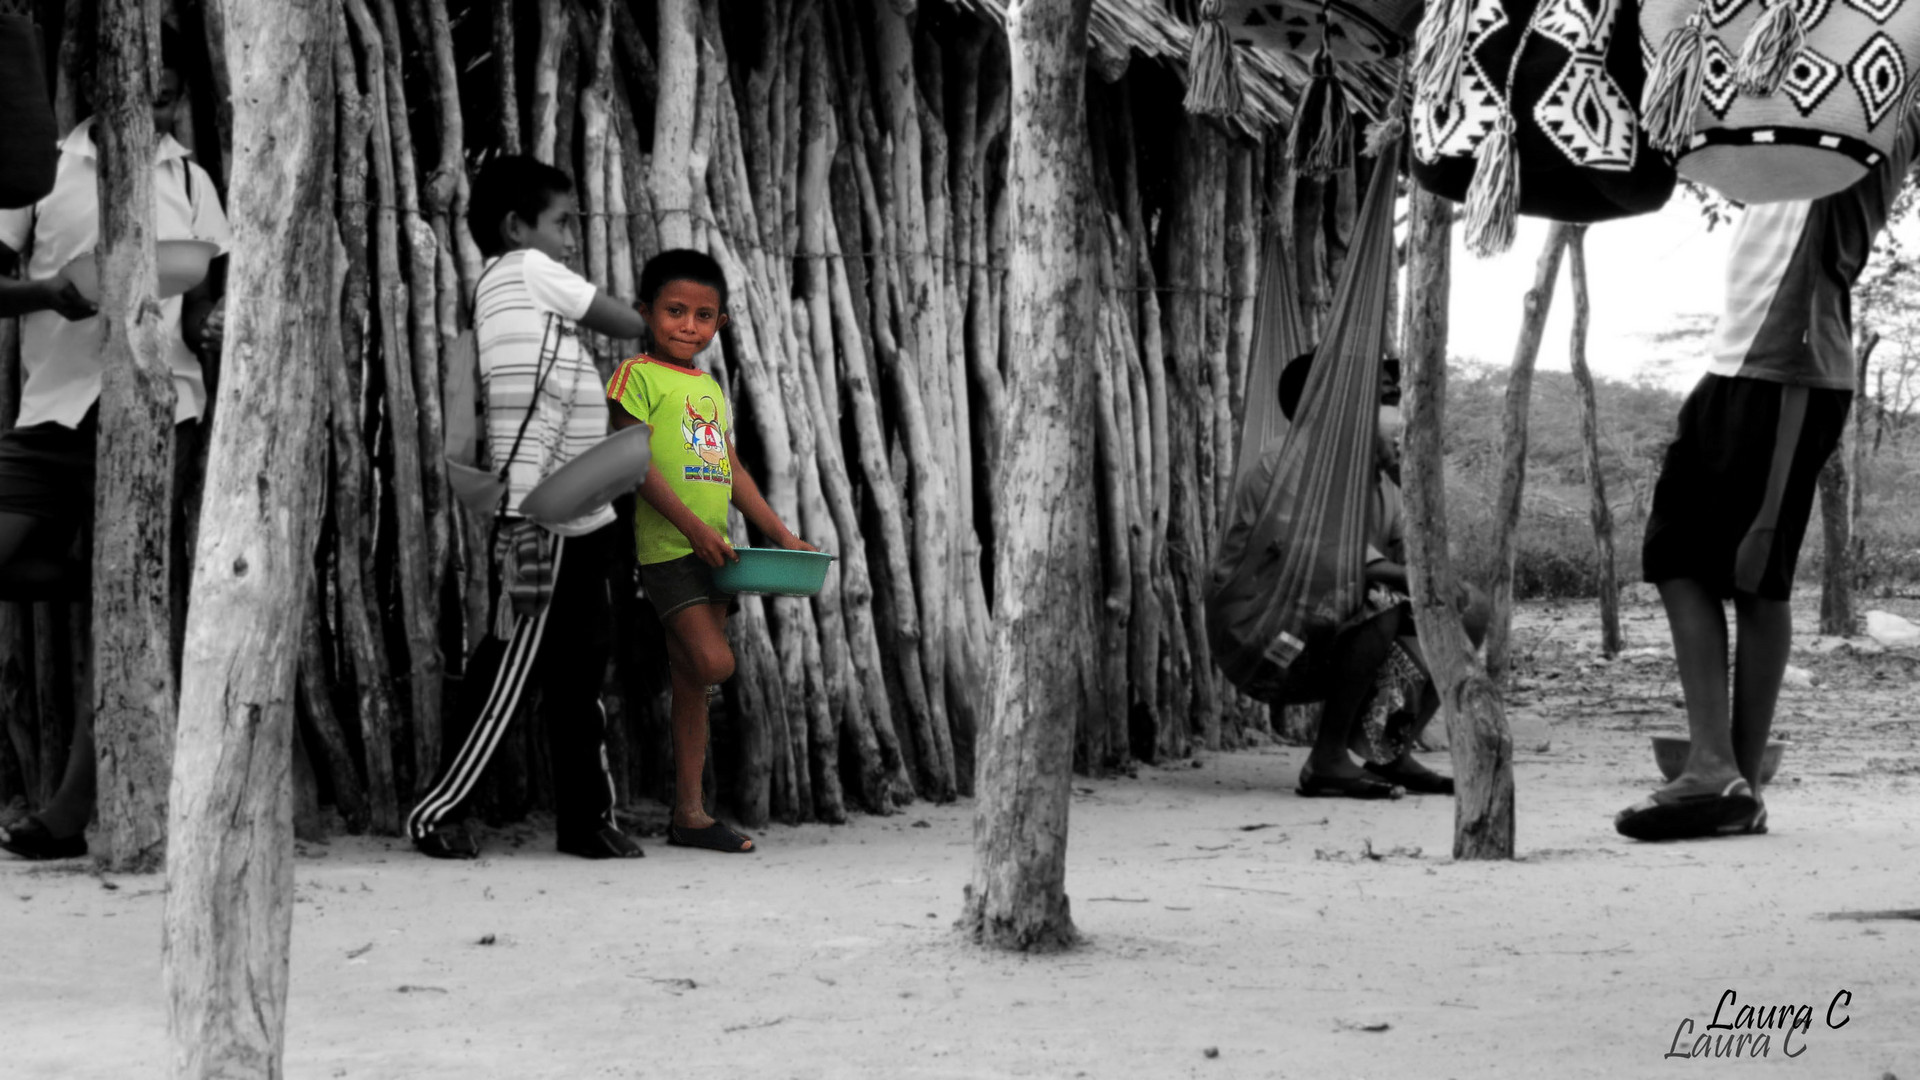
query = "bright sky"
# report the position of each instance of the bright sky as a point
(1645, 275)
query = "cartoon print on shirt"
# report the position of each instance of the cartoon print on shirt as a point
(708, 443)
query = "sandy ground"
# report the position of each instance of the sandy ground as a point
(1231, 928)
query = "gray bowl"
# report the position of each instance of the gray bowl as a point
(1670, 754)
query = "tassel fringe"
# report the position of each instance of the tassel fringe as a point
(1493, 199)
(509, 569)
(1213, 73)
(1321, 143)
(1440, 49)
(1671, 102)
(1769, 51)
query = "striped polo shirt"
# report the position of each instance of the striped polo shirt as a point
(1790, 276)
(524, 316)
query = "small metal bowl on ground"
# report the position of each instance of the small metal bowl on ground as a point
(1670, 754)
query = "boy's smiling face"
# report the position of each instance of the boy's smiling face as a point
(547, 233)
(683, 317)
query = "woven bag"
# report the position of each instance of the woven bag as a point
(1769, 101)
(1530, 107)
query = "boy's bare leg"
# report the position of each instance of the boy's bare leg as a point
(1760, 663)
(1699, 624)
(698, 656)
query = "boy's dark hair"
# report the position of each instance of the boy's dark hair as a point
(681, 264)
(1293, 381)
(511, 184)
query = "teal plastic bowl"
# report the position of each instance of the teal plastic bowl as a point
(774, 570)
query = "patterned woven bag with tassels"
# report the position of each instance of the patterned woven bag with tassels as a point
(1530, 107)
(1769, 100)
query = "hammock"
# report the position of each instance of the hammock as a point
(1289, 569)
(1279, 334)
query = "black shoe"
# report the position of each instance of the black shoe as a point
(606, 842)
(31, 840)
(448, 842)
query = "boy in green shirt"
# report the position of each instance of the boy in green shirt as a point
(680, 520)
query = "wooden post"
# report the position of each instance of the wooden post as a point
(1476, 720)
(1513, 473)
(506, 74)
(1044, 676)
(134, 491)
(1602, 514)
(670, 181)
(229, 907)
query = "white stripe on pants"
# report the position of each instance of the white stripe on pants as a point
(509, 682)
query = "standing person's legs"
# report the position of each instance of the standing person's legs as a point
(698, 657)
(571, 669)
(1760, 665)
(1698, 621)
(46, 491)
(497, 675)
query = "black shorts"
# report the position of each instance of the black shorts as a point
(1714, 481)
(678, 584)
(46, 472)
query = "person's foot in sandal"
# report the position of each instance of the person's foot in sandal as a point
(712, 837)
(448, 842)
(1407, 771)
(1685, 811)
(30, 839)
(1356, 785)
(605, 842)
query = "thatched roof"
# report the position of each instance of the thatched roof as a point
(1271, 80)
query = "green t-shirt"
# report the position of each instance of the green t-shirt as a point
(690, 419)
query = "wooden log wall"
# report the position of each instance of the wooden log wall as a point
(845, 160)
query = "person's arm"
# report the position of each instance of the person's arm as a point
(614, 318)
(44, 294)
(753, 505)
(1384, 571)
(203, 320)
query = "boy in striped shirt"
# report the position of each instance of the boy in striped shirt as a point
(544, 407)
(1736, 488)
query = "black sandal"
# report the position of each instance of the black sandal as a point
(715, 837)
(1345, 787)
(1422, 782)
(1732, 811)
(30, 840)
(450, 842)
(606, 842)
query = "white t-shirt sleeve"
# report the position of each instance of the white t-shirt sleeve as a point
(555, 287)
(14, 226)
(209, 220)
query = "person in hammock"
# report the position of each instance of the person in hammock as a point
(1376, 691)
(1736, 486)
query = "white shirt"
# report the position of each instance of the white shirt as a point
(524, 323)
(61, 360)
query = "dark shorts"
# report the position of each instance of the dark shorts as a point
(46, 472)
(1714, 481)
(678, 584)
